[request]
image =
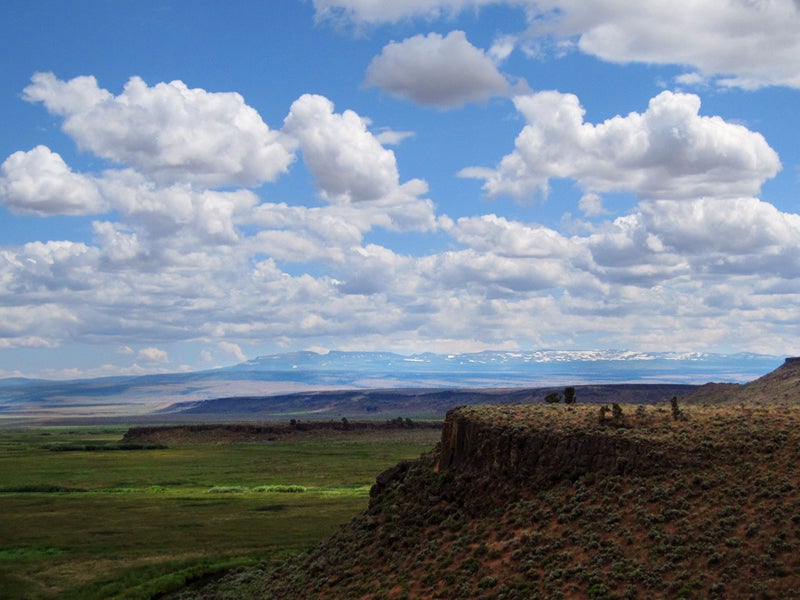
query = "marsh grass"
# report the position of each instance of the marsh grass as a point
(139, 523)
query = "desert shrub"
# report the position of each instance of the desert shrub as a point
(598, 591)
(553, 398)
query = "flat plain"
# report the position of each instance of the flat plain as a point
(83, 516)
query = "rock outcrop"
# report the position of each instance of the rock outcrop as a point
(558, 502)
(496, 442)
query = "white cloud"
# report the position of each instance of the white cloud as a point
(741, 235)
(392, 138)
(40, 325)
(668, 268)
(510, 238)
(690, 79)
(625, 252)
(296, 234)
(492, 275)
(354, 171)
(66, 98)
(381, 11)
(502, 48)
(509, 256)
(668, 151)
(741, 43)
(232, 350)
(40, 182)
(118, 244)
(174, 261)
(38, 269)
(348, 163)
(169, 132)
(162, 211)
(703, 241)
(591, 205)
(374, 270)
(440, 71)
(738, 42)
(153, 355)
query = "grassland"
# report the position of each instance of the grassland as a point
(82, 517)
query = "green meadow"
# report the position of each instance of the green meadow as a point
(82, 516)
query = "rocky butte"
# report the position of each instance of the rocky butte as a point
(554, 501)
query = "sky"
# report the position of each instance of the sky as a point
(190, 184)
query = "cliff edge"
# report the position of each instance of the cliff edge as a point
(568, 502)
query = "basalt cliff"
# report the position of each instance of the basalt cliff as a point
(570, 502)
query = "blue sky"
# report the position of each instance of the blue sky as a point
(185, 185)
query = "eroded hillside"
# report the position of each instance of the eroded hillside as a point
(550, 502)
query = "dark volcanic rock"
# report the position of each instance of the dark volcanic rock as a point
(479, 446)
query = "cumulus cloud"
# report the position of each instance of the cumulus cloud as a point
(373, 270)
(741, 235)
(348, 163)
(701, 240)
(510, 238)
(353, 171)
(624, 252)
(42, 268)
(741, 43)
(169, 132)
(171, 254)
(512, 256)
(668, 151)
(162, 211)
(153, 355)
(439, 71)
(737, 42)
(40, 182)
(172, 259)
(35, 326)
(37, 281)
(298, 234)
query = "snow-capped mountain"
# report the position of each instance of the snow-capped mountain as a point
(303, 371)
(522, 362)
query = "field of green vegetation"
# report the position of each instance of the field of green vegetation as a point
(83, 516)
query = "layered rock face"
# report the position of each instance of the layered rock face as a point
(497, 442)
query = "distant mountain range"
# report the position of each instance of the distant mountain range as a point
(310, 371)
